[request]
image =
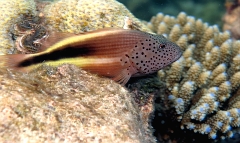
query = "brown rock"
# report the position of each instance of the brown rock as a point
(66, 104)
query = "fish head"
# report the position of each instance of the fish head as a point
(169, 51)
(153, 53)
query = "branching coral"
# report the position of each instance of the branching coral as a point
(203, 85)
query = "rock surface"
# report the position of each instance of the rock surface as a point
(66, 104)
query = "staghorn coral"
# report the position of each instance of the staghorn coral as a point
(77, 16)
(12, 12)
(202, 87)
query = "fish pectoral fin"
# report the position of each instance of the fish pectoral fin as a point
(123, 77)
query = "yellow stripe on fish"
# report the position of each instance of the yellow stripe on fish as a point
(111, 52)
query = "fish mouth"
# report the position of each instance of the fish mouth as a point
(178, 56)
(178, 52)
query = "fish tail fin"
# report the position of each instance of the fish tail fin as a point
(53, 38)
(13, 61)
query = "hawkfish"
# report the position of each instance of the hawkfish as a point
(110, 52)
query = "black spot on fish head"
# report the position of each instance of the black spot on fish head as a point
(153, 53)
(168, 52)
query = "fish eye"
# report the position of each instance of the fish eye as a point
(162, 46)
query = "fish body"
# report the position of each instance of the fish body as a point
(111, 52)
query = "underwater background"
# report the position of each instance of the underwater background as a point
(210, 11)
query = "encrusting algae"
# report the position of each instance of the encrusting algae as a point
(203, 85)
(77, 16)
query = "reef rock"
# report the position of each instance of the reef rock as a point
(11, 12)
(231, 18)
(66, 104)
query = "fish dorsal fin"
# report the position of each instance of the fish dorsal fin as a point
(53, 38)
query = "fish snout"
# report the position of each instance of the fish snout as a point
(171, 52)
(176, 51)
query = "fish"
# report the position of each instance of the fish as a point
(114, 53)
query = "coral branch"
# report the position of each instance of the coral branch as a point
(202, 82)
